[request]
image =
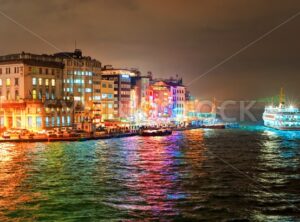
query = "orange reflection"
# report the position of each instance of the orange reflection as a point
(13, 171)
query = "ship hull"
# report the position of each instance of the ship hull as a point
(284, 128)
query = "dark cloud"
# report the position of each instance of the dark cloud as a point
(185, 37)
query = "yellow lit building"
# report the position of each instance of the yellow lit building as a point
(31, 92)
(107, 100)
(81, 83)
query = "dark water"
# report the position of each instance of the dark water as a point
(212, 175)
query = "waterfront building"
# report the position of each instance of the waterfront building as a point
(31, 92)
(139, 105)
(107, 100)
(122, 88)
(160, 100)
(81, 83)
(178, 94)
(174, 89)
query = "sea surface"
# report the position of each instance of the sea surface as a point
(246, 174)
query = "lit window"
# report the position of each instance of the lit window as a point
(33, 94)
(47, 82)
(53, 121)
(47, 121)
(7, 82)
(0, 82)
(34, 81)
(53, 82)
(38, 121)
(40, 81)
(104, 95)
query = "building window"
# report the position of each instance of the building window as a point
(33, 94)
(110, 85)
(53, 82)
(0, 71)
(47, 94)
(19, 122)
(58, 120)
(40, 94)
(34, 81)
(0, 82)
(29, 121)
(7, 82)
(17, 95)
(103, 85)
(38, 122)
(40, 81)
(16, 81)
(47, 82)
(8, 94)
(40, 70)
(7, 70)
(47, 121)
(53, 95)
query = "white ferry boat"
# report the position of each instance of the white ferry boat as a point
(282, 117)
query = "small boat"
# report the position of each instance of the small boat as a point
(155, 132)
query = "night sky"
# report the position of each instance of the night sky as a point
(169, 37)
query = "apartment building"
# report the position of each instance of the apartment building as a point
(31, 92)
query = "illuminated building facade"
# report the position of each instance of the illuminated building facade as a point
(107, 100)
(140, 85)
(122, 88)
(160, 100)
(31, 92)
(179, 103)
(81, 84)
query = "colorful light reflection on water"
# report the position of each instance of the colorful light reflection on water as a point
(175, 177)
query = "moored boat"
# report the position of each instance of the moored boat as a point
(215, 126)
(282, 117)
(155, 132)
